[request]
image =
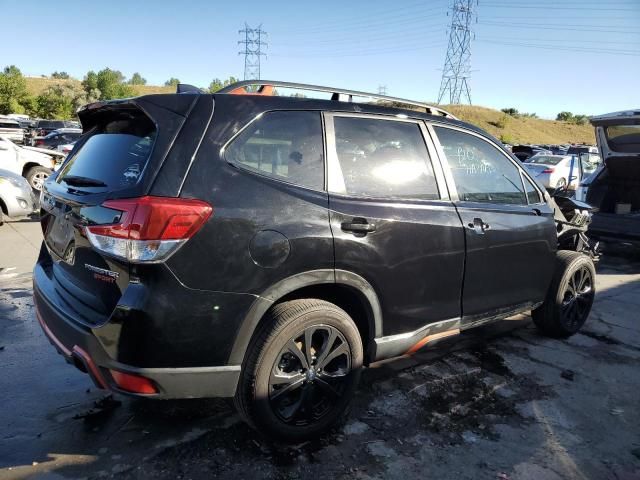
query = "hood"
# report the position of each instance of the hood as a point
(13, 176)
(33, 156)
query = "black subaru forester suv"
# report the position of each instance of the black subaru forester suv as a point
(266, 248)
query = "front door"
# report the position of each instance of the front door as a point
(392, 220)
(509, 230)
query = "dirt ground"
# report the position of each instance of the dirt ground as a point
(499, 402)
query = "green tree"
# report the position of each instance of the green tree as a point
(60, 75)
(217, 84)
(61, 101)
(106, 85)
(564, 116)
(580, 119)
(13, 91)
(510, 111)
(137, 79)
(172, 82)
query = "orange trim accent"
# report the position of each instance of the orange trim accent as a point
(69, 353)
(95, 373)
(49, 333)
(264, 90)
(431, 338)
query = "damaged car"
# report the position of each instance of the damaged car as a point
(613, 189)
(268, 249)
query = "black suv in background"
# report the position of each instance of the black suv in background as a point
(267, 248)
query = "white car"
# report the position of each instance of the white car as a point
(11, 129)
(34, 164)
(16, 196)
(558, 171)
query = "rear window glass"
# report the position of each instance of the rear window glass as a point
(114, 155)
(284, 145)
(624, 138)
(51, 124)
(9, 125)
(545, 160)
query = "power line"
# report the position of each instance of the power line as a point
(457, 64)
(610, 51)
(252, 50)
(557, 27)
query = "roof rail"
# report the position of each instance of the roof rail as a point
(266, 87)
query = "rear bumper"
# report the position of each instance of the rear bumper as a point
(80, 347)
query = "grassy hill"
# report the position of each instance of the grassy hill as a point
(509, 129)
(35, 85)
(523, 130)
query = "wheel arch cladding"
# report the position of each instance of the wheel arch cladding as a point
(347, 290)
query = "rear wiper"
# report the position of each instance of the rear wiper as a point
(78, 181)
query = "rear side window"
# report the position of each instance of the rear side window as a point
(9, 125)
(285, 145)
(115, 154)
(480, 171)
(533, 196)
(384, 158)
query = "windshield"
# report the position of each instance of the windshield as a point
(545, 160)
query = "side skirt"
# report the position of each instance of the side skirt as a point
(411, 342)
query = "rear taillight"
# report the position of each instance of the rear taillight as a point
(39, 143)
(150, 229)
(548, 170)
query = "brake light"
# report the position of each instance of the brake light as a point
(548, 170)
(39, 142)
(150, 229)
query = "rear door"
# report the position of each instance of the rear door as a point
(392, 220)
(509, 230)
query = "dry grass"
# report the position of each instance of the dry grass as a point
(523, 130)
(36, 85)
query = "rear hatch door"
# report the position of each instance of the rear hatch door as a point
(122, 149)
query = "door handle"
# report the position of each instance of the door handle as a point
(478, 226)
(358, 225)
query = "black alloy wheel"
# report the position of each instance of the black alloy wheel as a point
(309, 375)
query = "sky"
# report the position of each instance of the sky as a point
(539, 56)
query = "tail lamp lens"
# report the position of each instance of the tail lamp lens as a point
(548, 170)
(150, 229)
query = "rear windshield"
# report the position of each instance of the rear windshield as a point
(624, 138)
(113, 156)
(545, 160)
(577, 150)
(51, 124)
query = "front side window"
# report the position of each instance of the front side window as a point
(384, 158)
(286, 145)
(480, 172)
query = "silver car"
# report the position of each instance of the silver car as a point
(16, 196)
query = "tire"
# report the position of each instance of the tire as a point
(570, 296)
(311, 400)
(561, 183)
(36, 177)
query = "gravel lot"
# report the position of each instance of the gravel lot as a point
(501, 402)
